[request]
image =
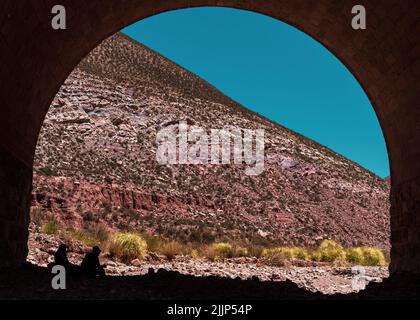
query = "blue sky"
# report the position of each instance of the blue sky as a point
(274, 69)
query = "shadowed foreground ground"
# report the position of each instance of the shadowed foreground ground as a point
(31, 282)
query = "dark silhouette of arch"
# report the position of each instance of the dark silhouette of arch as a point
(384, 58)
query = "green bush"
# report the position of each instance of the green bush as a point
(315, 255)
(355, 255)
(331, 251)
(127, 246)
(268, 252)
(288, 253)
(373, 257)
(300, 253)
(51, 227)
(223, 250)
(241, 252)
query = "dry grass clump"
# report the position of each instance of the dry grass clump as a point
(331, 251)
(218, 251)
(127, 246)
(354, 255)
(298, 253)
(90, 235)
(373, 257)
(51, 227)
(171, 249)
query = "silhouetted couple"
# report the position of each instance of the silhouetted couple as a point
(90, 265)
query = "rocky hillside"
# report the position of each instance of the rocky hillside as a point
(96, 162)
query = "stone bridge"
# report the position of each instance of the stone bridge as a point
(35, 60)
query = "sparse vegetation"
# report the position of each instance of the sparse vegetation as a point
(298, 253)
(153, 242)
(255, 250)
(331, 251)
(51, 227)
(90, 234)
(37, 215)
(241, 252)
(223, 250)
(88, 216)
(373, 257)
(171, 249)
(277, 260)
(354, 255)
(127, 246)
(193, 253)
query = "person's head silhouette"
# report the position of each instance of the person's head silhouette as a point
(96, 251)
(62, 248)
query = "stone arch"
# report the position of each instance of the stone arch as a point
(385, 58)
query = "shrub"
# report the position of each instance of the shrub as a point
(354, 255)
(37, 215)
(223, 250)
(107, 206)
(331, 251)
(288, 253)
(218, 251)
(210, 253)
(129, 214)
(90, 234)
(300, 253)
(315, 255)
(127, 246)
(267, 252)
(153, 242)
(87, 216)
(373, 257)
(194, 254)
(84, 237)
(241, 252)
(51, 227)
(277, 260)
(98, 231)
(255, 251)
(171, 249)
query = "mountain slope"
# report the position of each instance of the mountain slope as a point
(97, 154)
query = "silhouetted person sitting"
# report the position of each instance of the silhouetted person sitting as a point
(90, 264)
(60, 258)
